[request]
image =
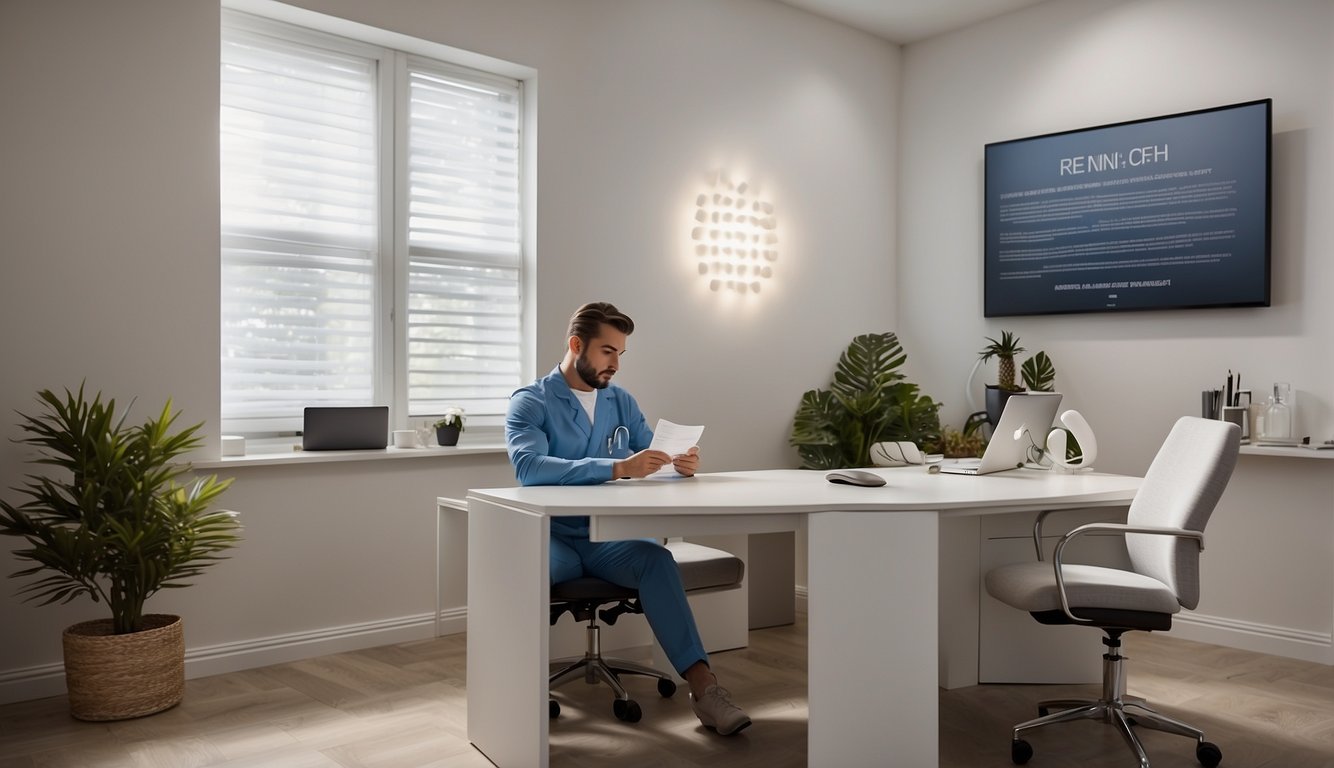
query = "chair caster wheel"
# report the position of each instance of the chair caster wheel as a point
(1208, 754)
(1020, 752)
(553, 709)
(666, 688)
(627, 711)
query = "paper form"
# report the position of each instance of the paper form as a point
(673, 440)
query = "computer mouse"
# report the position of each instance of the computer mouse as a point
(854, 477)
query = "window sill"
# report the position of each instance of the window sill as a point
(327, 457)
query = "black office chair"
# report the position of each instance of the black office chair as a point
(703, 569)
(1164, 534)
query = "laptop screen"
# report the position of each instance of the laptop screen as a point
(345, 428)
(1025, 422)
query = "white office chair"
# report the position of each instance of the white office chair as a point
(1164, 534)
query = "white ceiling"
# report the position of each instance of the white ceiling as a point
(906, 21)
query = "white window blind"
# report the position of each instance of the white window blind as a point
(322, 215)
(299, 232)
(463, 241)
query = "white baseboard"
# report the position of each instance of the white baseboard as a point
(1299, 644)
(1304, 645)
(44, 680)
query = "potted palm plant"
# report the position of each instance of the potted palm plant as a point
(1038, 373)
(110, 521)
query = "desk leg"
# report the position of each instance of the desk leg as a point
(872, 633)
(508, 592)
(960, 592)
(440, 512)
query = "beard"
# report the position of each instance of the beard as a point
(589, 374)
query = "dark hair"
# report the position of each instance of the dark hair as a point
(586, 322)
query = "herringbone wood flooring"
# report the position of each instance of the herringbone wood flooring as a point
(403, 706)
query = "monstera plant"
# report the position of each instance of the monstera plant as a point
(868, 402)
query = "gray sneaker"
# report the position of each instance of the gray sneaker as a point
(716, 710)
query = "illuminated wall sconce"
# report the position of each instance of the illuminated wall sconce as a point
(735, 236)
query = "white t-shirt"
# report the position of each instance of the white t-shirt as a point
(589, 400)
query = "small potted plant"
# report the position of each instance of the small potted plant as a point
(1038, 373)
(449, 426)
(108, 520)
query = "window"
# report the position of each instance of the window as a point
(371, 230)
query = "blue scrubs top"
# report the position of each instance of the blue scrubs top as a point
(550, 441)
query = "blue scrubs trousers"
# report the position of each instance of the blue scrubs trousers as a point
(640, 564)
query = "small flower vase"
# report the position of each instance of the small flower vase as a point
(448, 435)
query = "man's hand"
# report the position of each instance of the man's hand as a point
(687, 463)
(642, 464)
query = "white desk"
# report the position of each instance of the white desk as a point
(872, 560)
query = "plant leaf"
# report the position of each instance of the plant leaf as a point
(1039, 372)
(868, 402)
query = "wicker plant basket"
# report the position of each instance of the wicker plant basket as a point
(115, 677)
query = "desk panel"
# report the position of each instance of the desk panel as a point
(615, 528)
(870, 605)
(508, 641)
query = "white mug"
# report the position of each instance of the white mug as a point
(405, 438)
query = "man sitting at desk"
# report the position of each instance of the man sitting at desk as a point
(574, 427)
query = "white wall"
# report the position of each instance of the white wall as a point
(109, 205)
(109, 214)
(638, 102)
(1076, 63)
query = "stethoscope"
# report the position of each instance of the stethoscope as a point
(619, 440)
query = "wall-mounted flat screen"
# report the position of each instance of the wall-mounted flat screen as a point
(1163, 213)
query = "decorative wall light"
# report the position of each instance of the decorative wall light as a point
(735, 236)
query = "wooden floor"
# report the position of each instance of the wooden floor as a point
(403, 706)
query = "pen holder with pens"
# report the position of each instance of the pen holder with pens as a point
(1211, 404)
(1238, 414)
(1268, 420)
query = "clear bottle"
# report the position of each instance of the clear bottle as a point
(1278, 416)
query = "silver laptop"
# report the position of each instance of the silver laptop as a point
(345, 428)
(1025, 422)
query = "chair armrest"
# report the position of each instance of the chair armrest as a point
(1037, 529)
(1181, 533)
